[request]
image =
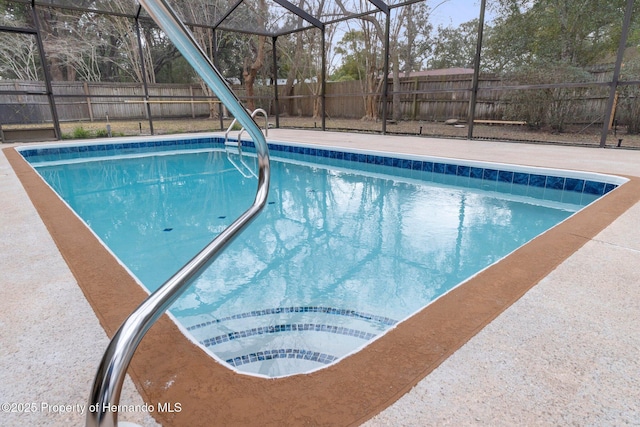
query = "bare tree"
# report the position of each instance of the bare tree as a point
(292, 54)
(124, 37)
(394, 52)
(316, 53)
(409, 45)
(254, 60)
(77, 48)
(203, 11)
(19, 57)
(302, 54)
(74, 42)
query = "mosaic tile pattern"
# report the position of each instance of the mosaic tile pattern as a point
(285, 310)
(289, 353)
(120, 148)
(488, 174)
(292, 327)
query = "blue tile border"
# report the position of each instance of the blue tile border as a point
(505, 176)
(120, 148)
(289, 327)
(286, 310)
(283, 353)
(488, 174)
(476, 172)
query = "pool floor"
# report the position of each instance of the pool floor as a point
(169, 369)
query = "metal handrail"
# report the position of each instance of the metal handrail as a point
(107, 386)
(226, 134)
(239, 143)
(253, 115)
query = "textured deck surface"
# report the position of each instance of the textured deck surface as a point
(566, 352)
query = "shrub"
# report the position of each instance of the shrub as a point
(80, 133)
(552, 106)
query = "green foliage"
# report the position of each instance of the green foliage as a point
(176, 71)
(352, 48)
(80, 133)
(348, 71)
(455, 47)
(578, 33)
(102, 133)
(415, 40)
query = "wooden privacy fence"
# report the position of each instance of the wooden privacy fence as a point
(83, 101)
(428, 98)
(438, 98)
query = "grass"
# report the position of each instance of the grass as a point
(79, 132)
(578, 135)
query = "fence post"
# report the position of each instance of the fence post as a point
(193, 108)
(414, 107)
(85, 85)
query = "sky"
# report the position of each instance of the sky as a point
(445, 13)
(455, 12)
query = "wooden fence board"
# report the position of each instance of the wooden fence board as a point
(429, 98)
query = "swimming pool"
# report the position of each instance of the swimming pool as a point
(382, 205)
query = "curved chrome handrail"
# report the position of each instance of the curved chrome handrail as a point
(253, 115)
(239, 143)
(107, 386)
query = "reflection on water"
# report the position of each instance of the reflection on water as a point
(329, 237)
(326, 235)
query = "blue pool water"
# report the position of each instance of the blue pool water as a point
(348, 245)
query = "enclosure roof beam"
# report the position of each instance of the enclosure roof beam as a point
(4, 29)
(301, 13)
(297, 30)
(315, 22)
(83, 9)
(403, 4)
(382, 6)
(348, 17)
(250, 32)
(226, 15)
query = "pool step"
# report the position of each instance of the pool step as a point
(287, 340)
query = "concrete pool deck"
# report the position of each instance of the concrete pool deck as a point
(564, 353)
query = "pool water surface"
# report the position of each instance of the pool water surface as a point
(343, 251)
